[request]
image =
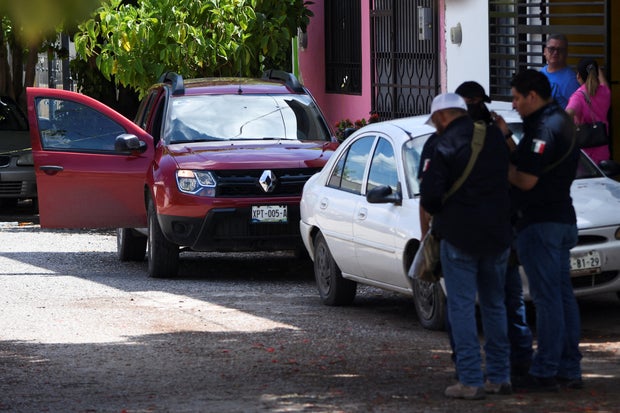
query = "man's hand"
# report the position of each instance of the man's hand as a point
(425, 221)
(500, 122)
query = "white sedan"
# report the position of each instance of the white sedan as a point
(360, 219)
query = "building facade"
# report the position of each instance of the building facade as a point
(391, 57)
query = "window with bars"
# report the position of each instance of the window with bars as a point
(343, 47)
(518, 30)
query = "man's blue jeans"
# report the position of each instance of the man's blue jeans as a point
(519, 333)
(544, 252)
(465, 275)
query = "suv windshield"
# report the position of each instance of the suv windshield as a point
(244, 117)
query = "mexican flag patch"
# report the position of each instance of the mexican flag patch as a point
(538, 146)
(427, 162)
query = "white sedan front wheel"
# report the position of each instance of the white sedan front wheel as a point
(430, 304)
(333, 289)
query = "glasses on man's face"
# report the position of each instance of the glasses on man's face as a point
(553, 50)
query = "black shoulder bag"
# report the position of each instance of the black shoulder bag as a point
(590, 135)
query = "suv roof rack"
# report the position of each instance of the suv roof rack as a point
(289, 78)
(175, 80)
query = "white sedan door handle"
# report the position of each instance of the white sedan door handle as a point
(362, 214)
(323, 203)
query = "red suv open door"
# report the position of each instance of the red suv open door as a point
(90, 162)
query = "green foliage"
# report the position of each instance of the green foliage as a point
(134, 45)
(36, 19)
(29, 27)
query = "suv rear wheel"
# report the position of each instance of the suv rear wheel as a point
(130, 245)
(163, 256)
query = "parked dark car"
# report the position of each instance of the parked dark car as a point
(17, 179)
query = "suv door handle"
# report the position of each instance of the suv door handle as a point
(51, 169)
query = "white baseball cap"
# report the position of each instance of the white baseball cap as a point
(446, 101)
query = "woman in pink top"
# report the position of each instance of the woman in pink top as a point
(594, 87)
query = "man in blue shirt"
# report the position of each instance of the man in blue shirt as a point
(561, 77)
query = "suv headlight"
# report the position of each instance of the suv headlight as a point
(200, 183)
(25, 160)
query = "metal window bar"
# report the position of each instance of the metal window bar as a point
(404, 66)
(343, 54)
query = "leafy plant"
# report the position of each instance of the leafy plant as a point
(134, 45)
(30, 27)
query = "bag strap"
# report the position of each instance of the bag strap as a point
(587, 97)
(589, 102)
(477, 142)
(568, 152)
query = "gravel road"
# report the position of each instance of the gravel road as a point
(82, 332)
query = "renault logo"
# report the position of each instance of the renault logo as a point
(267, 181)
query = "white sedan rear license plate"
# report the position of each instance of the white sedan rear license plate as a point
(269, 213)
(588, 262)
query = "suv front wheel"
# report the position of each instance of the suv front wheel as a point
(163, 256)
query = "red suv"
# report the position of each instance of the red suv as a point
(214, 164)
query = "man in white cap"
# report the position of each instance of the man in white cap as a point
(473, 224)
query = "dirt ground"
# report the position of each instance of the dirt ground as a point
(81, 332)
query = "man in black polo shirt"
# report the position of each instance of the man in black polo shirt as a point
(543, 169)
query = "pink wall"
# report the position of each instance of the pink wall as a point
(312, 66)
(312, 70)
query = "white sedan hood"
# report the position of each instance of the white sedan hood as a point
(597, 202)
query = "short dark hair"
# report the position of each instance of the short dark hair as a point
(558, 36)
(532, 80)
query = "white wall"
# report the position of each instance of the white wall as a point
(470, 59)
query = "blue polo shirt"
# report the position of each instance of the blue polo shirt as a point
(563, 84)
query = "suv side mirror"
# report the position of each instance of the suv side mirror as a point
(383, 195)
(128, 143)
